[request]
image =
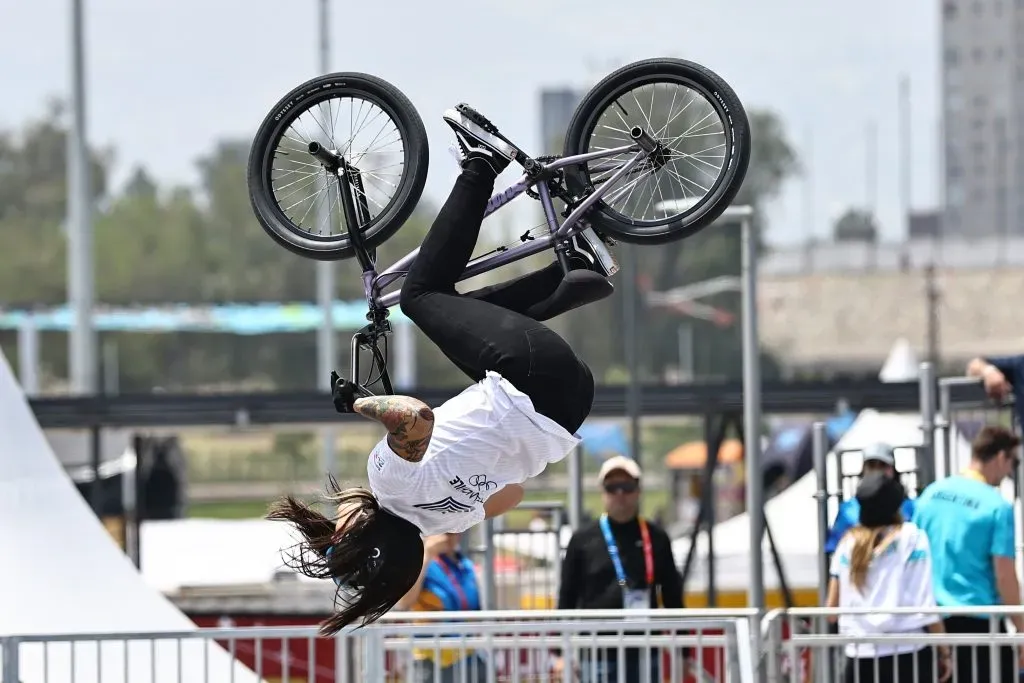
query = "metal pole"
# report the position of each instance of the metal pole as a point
(326, 353)
(752, 411)
(630, 322)
(28, 356)
(490, 592)
(820, 452)
(819, 445)
(905, 152)
(926, 468)
(945, 426)
(10, 667)
(81, 340)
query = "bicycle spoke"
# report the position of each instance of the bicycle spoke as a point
(369, 137)
(693, 137)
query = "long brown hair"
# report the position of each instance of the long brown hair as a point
(375, 556)
(865, 539)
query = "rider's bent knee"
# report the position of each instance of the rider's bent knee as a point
(409, 300)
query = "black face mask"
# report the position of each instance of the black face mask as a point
(880, 497)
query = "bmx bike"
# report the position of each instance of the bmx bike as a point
(321, 196)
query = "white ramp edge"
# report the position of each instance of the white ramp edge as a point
(62, 573)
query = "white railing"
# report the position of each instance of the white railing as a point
(803, 646)
(474, 647)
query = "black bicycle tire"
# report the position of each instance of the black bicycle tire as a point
(719, 93)
(417, 161)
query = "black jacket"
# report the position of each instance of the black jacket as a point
(588, 575)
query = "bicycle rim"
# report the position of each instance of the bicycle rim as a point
(694, 129)
(358, 126)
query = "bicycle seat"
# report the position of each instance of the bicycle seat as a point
(577, 288)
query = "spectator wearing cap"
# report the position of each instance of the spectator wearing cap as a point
(970, 526)
(878, 457)
(621, 561)
(884, 563)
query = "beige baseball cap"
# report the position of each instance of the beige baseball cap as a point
(619, 462)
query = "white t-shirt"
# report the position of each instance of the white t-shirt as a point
(900, 575)
(486, 437)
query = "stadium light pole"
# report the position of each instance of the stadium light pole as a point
(744, 215)
(80, 279)
(631, 320)
(326, 353)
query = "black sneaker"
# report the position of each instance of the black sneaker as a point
(594, 249)
(478, 138)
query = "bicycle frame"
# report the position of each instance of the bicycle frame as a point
(374, 281)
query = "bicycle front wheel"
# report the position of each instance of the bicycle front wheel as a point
(704, 150)
(364, 120)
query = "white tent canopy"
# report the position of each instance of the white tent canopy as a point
(63, 574)
(901, 365)
(792, 515)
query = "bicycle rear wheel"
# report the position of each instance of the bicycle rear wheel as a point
(705, 149)
(364, 120)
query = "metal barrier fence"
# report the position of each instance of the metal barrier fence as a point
(963, 410)
(948, 424)
(521, 567)
(812, 653)
(695, 646)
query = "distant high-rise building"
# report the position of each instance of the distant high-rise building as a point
(557, 106)
(983, 117)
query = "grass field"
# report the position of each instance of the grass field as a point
(652, 502)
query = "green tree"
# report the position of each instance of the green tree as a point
(193, 246)
(33, 205)
(856, 225)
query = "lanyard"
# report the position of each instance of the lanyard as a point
(973, 474)
(463, 600)
(613, 550)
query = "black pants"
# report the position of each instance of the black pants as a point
(972, 663)
(911, 667)
(487, 330)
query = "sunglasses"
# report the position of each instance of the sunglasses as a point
(622, 487)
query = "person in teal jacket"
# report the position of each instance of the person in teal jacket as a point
(878, 457)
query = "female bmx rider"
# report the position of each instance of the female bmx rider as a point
(446, 469)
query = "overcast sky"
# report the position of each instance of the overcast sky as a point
(167, 79)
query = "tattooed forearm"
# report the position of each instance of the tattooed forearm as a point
(409, 422)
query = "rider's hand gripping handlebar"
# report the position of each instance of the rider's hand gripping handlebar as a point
(344, 393)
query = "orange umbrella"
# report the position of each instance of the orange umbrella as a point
(693, 455)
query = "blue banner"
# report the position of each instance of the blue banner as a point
(261, 318)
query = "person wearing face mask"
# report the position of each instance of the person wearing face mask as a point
(621, 561)
(877, 458)
(970, 527)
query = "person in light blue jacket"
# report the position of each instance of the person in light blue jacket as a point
(878, 457)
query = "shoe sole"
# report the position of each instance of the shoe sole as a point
(475, 117)
(470, 129)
